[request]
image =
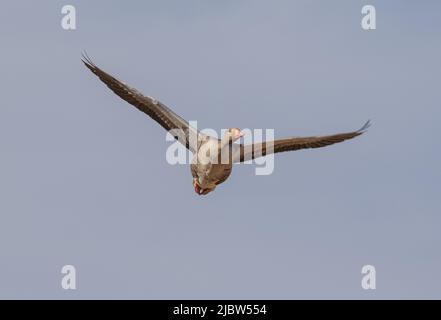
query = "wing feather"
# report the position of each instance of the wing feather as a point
(159, 112)
(252, 151)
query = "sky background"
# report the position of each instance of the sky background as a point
(84, 179)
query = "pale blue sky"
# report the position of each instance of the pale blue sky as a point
(84, 179)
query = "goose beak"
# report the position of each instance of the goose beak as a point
(197, 189)
(239, 135)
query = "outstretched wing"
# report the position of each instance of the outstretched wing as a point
(169, 120)
(252, 151)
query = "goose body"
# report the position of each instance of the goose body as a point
(209, 167)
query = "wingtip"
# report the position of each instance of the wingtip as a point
(86, 59)
(364, 128)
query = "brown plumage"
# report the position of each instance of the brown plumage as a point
(208, 173)
(249, 152)
(159, 112)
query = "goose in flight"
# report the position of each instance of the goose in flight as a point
(209, 167)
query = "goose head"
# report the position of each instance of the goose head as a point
(233, 134)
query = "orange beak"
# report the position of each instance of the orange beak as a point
(239, 135)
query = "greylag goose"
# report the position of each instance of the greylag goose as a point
(208, 167)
